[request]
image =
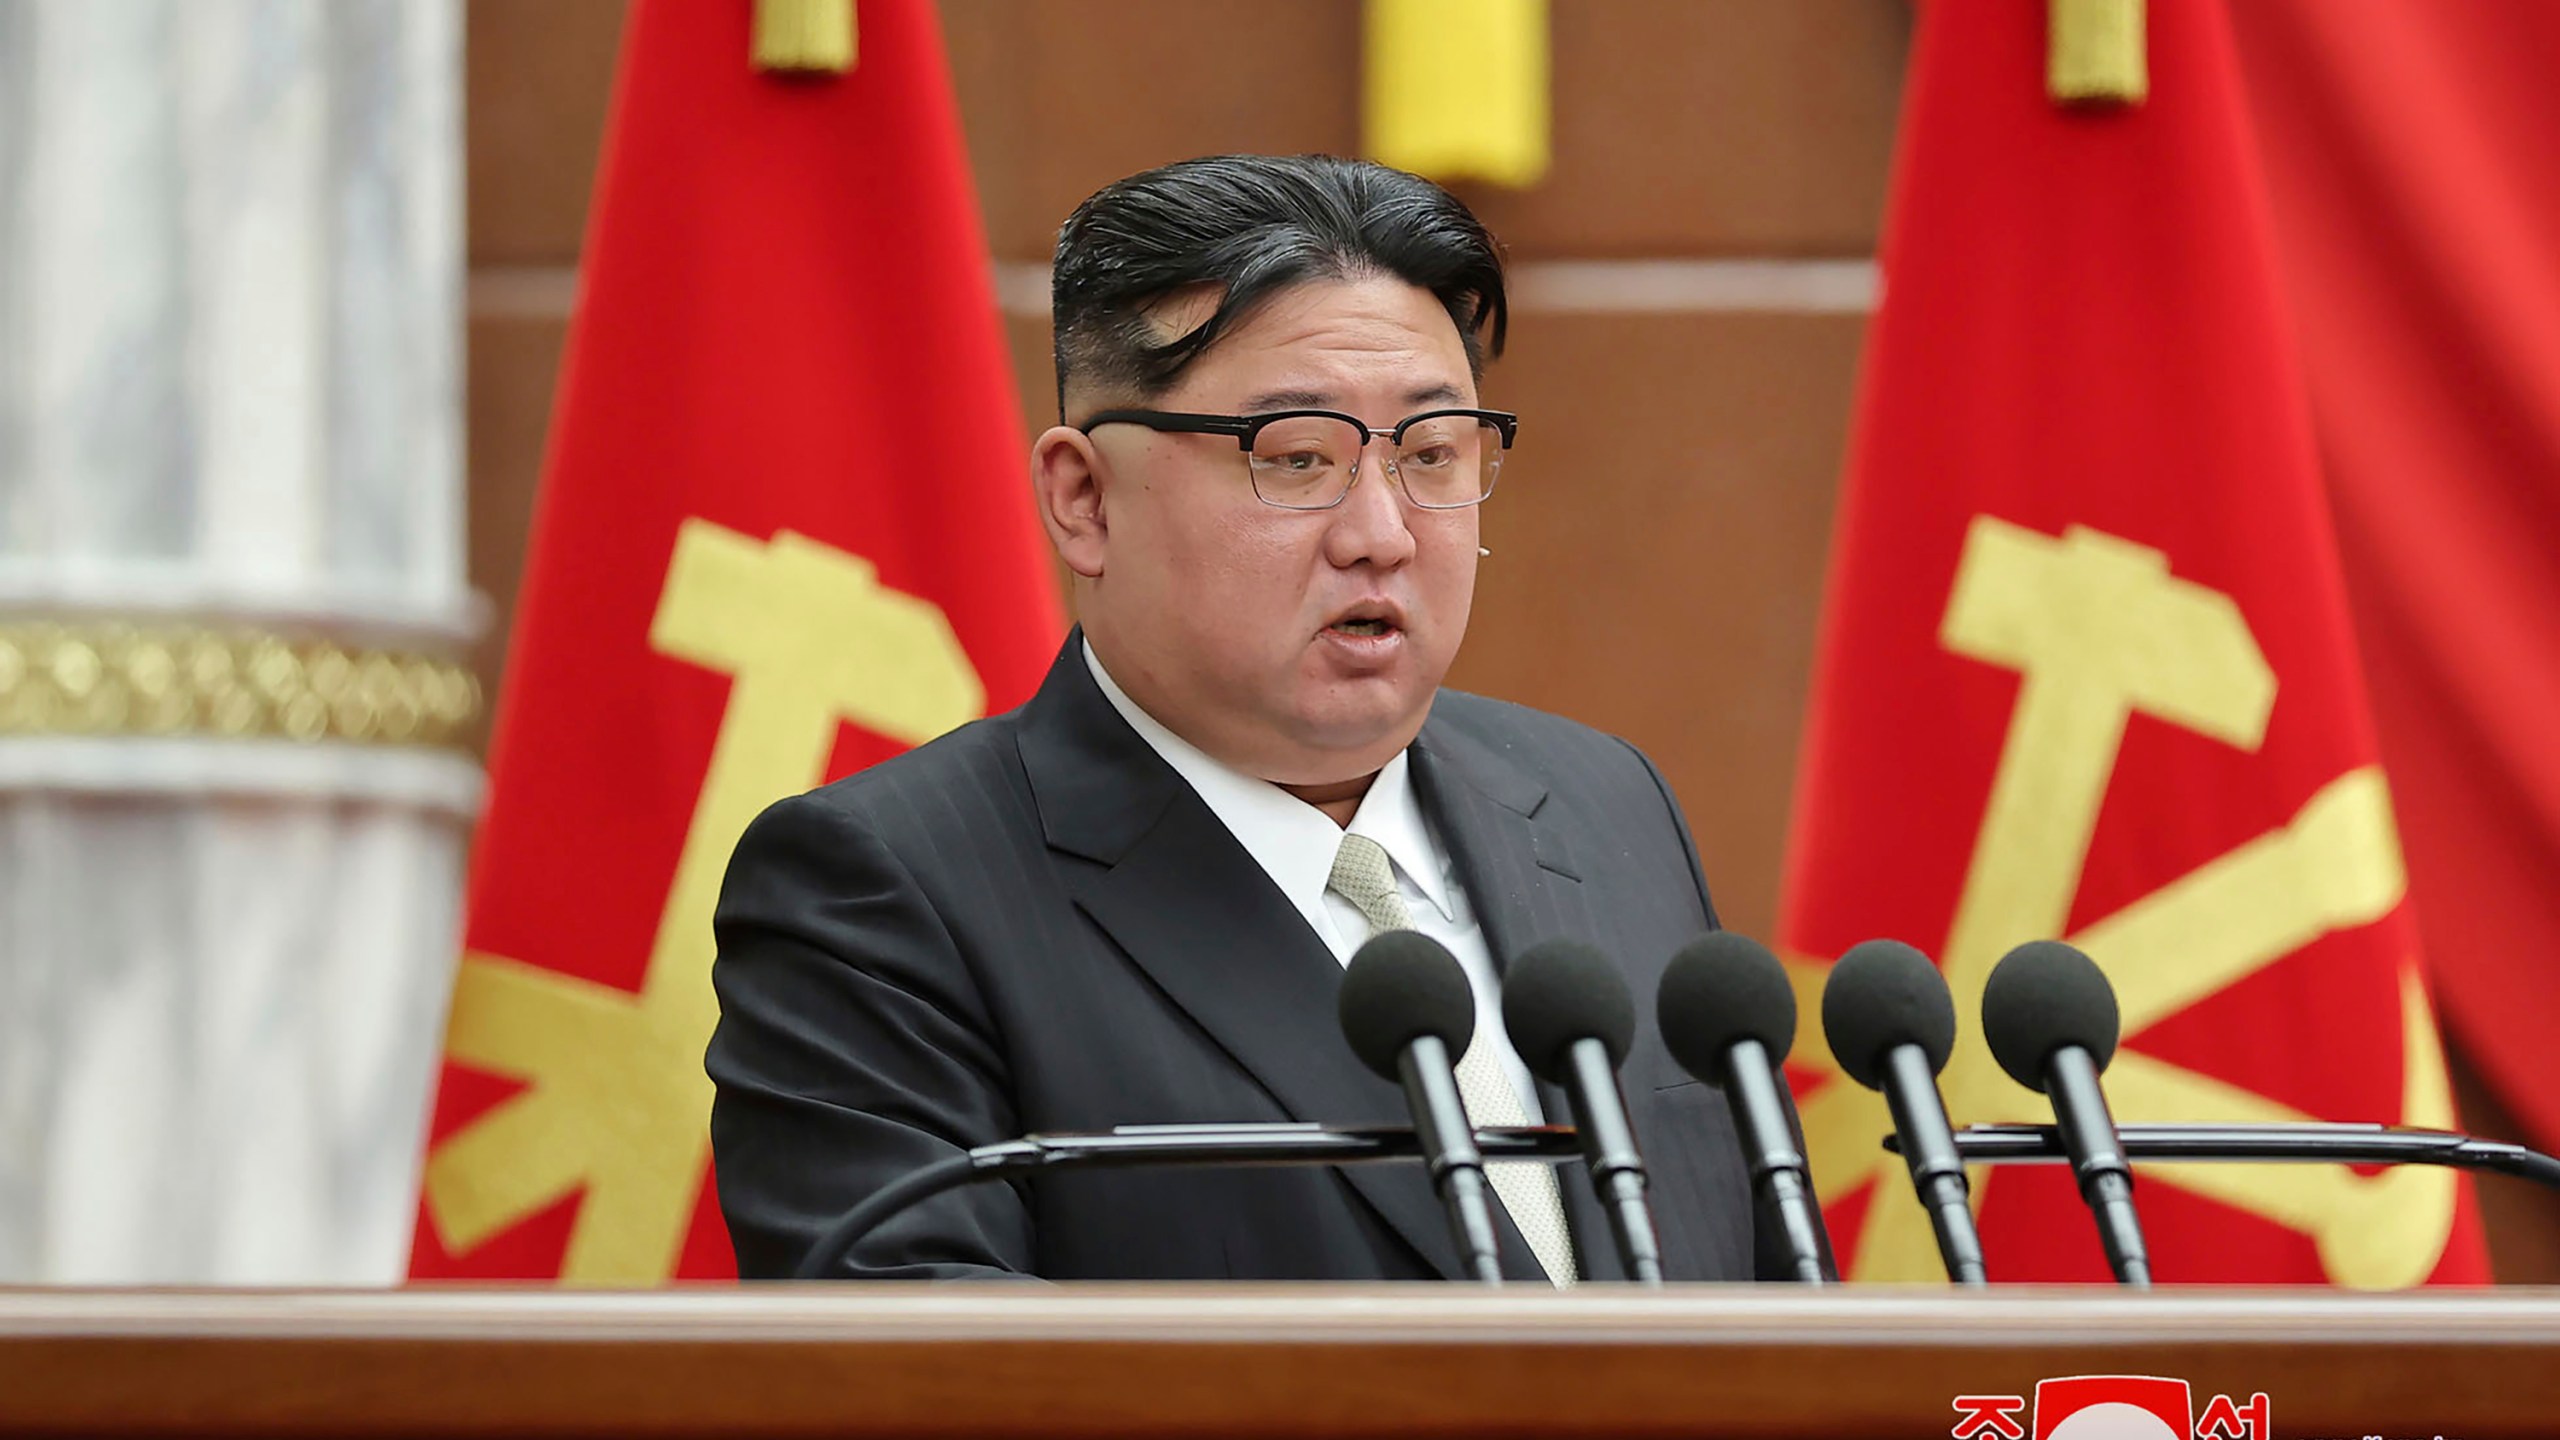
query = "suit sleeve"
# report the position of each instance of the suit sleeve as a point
(853, 1047)
(1770, 1257)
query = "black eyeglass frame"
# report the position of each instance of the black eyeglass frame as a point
(1248, 428)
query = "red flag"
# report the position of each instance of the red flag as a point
(2086, 672)
(783, 532)
(2411, 155)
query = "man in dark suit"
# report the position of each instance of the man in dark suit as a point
(1130, 900)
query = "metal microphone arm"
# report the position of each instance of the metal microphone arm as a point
(2317, 1141)
(1132, 1146)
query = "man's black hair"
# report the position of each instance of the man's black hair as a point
(1253, 225)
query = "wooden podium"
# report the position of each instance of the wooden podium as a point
(1137, 1361)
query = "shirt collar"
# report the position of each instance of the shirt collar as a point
(1291, 840)
(1390, 815)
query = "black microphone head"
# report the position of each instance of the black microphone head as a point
(2042, 996)
(1884, 994)
(1720, 989)
(1401, 986)
(1561, 991)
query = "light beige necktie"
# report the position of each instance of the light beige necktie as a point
(1363, 875)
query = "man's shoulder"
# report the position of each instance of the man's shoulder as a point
(1532, 736)
(1585, 781)
(950, 779)
(1587, 771)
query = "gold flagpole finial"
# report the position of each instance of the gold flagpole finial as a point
(804, 35)
(2096, 52)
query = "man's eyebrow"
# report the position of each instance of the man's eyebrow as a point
(1269, 400)
(1288, 400)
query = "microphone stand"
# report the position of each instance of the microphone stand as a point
(1617, 1170)
(1126, 1147)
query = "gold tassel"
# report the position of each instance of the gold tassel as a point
(804, 35)
(2096, 52)
(1458, 88)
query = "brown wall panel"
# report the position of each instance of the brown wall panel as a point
(536, 78)
(514, 360)
(1704, 127)
(1657, 553)
(1061, 97)
(1028, 337)
(1682, 127)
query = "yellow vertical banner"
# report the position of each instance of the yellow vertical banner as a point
(1458, 89)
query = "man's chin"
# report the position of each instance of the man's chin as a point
(1343, 741)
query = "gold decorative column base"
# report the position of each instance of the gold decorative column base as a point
(110, 678)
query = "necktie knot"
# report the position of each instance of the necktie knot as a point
(1363, 875)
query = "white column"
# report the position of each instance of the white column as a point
(233, 796)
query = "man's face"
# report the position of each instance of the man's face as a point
(1300, 646)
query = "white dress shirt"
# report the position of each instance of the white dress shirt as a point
(1294, 843)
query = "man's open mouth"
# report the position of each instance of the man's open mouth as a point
(1363, 627)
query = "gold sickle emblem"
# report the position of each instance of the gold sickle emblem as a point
(2098, 629)
(616, 1103)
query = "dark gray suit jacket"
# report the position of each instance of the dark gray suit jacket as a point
(1034, 924)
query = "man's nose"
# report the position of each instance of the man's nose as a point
(1370, 523)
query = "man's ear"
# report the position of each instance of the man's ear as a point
(1066, 482)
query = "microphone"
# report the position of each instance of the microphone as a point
(1891, 1024)
(1408, 1012)
(2050, 1016)
(1728, 1016)
(1570, 1017)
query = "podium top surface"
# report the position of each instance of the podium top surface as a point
(849, 1360)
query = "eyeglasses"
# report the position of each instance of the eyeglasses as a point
(1308, 459)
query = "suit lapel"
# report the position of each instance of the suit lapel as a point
(1189, 906)
(1525, 886)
